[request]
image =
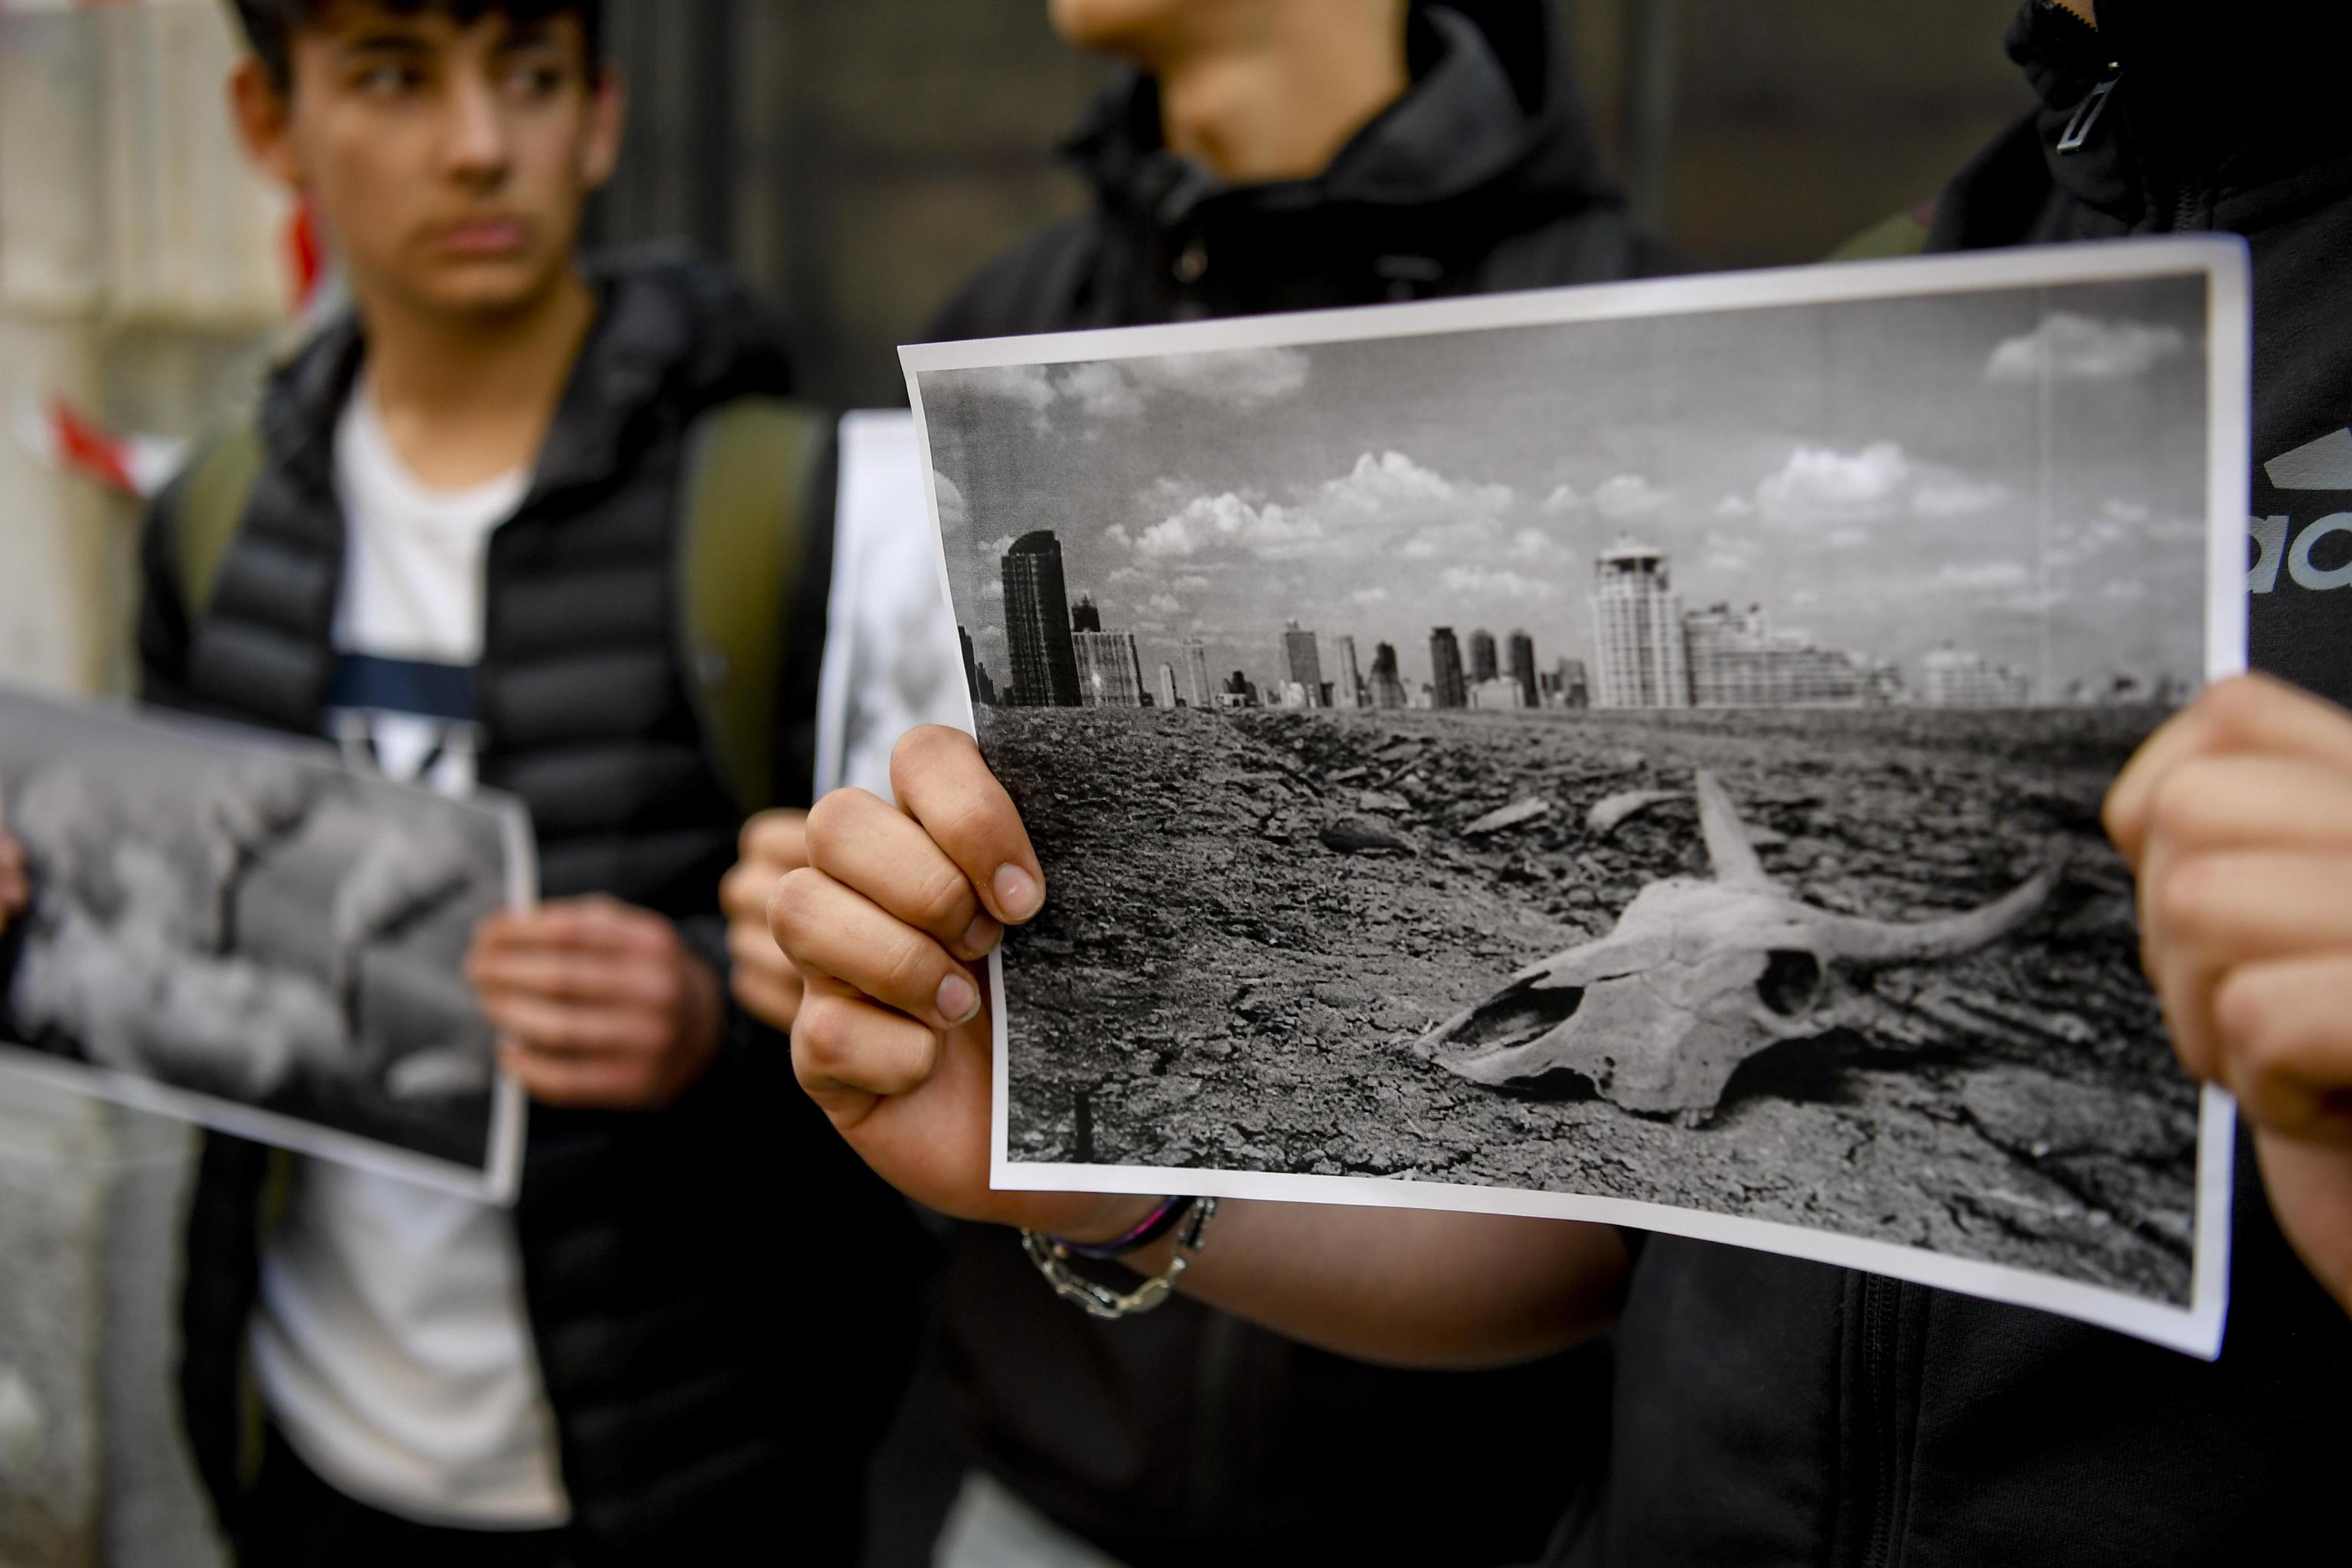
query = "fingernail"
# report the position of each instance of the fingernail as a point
(981, 937)
(1016, 891)
(958, 999)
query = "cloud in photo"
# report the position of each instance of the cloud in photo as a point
(1103, 391)
(954, 512)
(1957, 496)
(1228, 522)
(1497, 583)
(1028, 386)
(1820, 484)
(1628, 498)
(2070, 347)
(1985, 575)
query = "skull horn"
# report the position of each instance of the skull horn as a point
(1865, 941)
(1729, 848)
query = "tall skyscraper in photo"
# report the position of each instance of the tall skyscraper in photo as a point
(1111, 672)
(1301, 662)
(1037, 624)
(1483, 666)
(1196, 668)
(1085, 617)
(1445, 664)
(1523, 669)
(1168, 686)
(1388, 687)
(1575, 685)
(1351, 678)
(1637, 628)
(970, 669)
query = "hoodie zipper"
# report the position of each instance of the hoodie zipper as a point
(1880, 1301)
(2086, 118)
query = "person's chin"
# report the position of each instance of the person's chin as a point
(488, 285)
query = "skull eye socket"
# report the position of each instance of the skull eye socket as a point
(1792, 982)
(1523, 1011)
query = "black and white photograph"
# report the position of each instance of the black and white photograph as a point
(1630, 753)
(233, 928)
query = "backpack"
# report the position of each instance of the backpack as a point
(742, 547)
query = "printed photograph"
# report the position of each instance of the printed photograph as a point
(1654, 758)
(234, 929)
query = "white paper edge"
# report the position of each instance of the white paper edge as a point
(497, 1180)
(2196, 1329)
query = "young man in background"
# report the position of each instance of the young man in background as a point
(1260, 155)
(458, 556)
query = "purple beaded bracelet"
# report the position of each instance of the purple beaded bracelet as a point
(1164, 1217)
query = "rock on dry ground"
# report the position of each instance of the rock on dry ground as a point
(1217, 980)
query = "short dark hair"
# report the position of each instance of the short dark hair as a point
(270, 24)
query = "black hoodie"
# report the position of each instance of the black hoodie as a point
(1772, 1412)
(1187, 1436)
(1483, 177)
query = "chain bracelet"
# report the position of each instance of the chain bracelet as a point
(1052, 1260)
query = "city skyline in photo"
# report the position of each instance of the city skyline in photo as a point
(1886, 478)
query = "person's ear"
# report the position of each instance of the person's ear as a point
(608, 113)
(263, 112)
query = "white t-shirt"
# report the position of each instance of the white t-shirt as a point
(389, 1340)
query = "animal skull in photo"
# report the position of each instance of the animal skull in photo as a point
(1699, 976)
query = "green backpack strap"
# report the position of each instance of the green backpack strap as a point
(212, 502)
(1905, 234)
(748, 468)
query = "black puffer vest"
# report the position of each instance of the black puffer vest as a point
(663, 1312)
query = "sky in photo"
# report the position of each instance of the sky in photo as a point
(2017, 471)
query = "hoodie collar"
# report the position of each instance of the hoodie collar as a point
(2204, 124)
(1459, 127)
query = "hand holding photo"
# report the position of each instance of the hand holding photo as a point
(1628, 754)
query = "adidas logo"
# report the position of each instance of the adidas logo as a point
(2322, 465)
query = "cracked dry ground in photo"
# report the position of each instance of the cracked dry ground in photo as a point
(1254, 918)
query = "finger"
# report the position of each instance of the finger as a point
(751, 945)
(593, 922)
(744, 891)
(605, 1081)
(774, 1000)
(2231, 907)
(941, 783)
(575, 975)
(2247, 713)
(2286, 1038)
(2252, 801)
(851, 1053)
(824, 926)
(866, 844)
(780, 837)
(562, 1029)
(2310, 1189)
(11, 857)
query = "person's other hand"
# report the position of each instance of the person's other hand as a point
(15, 888)
(2237, 818)
(888, 922)
(765, 981)
(600, 1004)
